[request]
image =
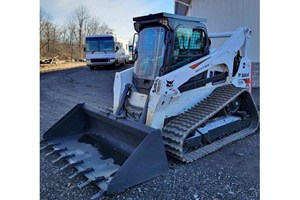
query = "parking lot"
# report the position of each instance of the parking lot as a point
(230, 173)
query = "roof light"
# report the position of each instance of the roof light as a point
(164, 22)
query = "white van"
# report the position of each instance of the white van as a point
(104, 50)
(124, 43)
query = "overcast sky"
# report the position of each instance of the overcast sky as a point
(117, 14)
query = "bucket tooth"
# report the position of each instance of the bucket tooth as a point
(98, 195)
(63, 157)
(44, 147)
(49, 145)
(71, 164)
(80, 172)
(55, 150)
(96, 180)
(84, 183)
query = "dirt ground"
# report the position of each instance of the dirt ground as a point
(62, 66)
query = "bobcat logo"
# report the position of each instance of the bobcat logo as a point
(170, 83)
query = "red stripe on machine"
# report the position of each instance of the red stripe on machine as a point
(197, 64)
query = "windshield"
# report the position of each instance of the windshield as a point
(100, 44)
(150, 51)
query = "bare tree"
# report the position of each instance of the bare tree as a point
(49, 35)
(54, 37)
(67, 41)
(80, 17)
(71, 37)
(92, 26)
(63, 34)
(45, 26)
(49, 40)
(44, 19)
(104, 29)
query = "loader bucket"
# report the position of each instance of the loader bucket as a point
(113, 153)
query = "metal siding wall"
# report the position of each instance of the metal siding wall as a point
(227, 15)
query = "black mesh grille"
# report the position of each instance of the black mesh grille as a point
(100, 60)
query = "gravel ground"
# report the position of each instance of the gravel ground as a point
(230, 173)
(44, 68)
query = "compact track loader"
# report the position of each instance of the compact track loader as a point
(182, 97)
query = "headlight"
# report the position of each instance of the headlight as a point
(112, 60)
(88, 60)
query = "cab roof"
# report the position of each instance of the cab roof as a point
(169, 16)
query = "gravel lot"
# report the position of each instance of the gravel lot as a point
(230, 173)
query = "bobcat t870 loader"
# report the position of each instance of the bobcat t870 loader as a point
(181, 97)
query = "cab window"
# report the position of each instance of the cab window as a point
(189, 46)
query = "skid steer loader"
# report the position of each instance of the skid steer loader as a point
(182, 97)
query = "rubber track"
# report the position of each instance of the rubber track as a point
(177, 130)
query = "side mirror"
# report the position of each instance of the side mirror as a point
(84, 49)
(117, 48)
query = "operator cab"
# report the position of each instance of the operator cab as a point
(166, 42)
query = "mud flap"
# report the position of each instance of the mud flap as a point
(113, 153)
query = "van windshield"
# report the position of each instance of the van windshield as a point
(100, 44)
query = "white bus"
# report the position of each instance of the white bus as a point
(105, 50)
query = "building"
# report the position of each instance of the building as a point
(227, 15)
